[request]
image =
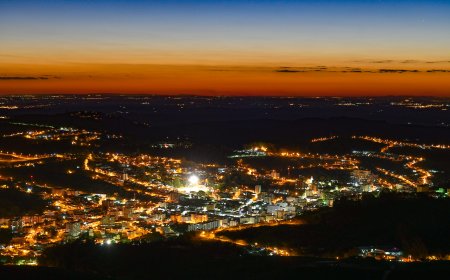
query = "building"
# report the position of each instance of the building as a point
(73, 230)
(108, 220)
(385, 253)
(249, 220)
(257, 189)
(198, 218)
(210, 207)
(275, 175)
(267, 197)
(16, 225)
(32, 220)
(423, 189)
(58, 192)
(211, 225)
(174, 197)
(4, 222)
(364, 180)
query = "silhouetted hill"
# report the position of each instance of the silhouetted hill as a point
(209, 260)
(418, 225)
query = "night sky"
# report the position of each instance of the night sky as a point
(306, 48)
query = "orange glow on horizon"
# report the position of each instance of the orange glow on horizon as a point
(217, 80)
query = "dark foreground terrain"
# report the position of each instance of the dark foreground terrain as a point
(237, 268)
(418, 225)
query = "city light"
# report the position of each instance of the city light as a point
(193, 180)
(111, 197)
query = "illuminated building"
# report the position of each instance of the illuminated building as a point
(207, 226)
(31, 220)
(16, 225)
(174, 197)
(73, 229)
(249, 220)
(257, 189)
(275, 175)
(423, 189)
(199, 218)
(364, 179)
(4, 222)
(267, 197)
(210, 207)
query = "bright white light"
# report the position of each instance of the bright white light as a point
(108, 242)
(193, 180)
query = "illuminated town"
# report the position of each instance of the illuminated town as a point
(151, 194)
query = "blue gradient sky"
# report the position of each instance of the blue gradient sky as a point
(55, 35)
(224, 31)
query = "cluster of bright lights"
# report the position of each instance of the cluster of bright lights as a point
(193, 185)
(193, 180)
